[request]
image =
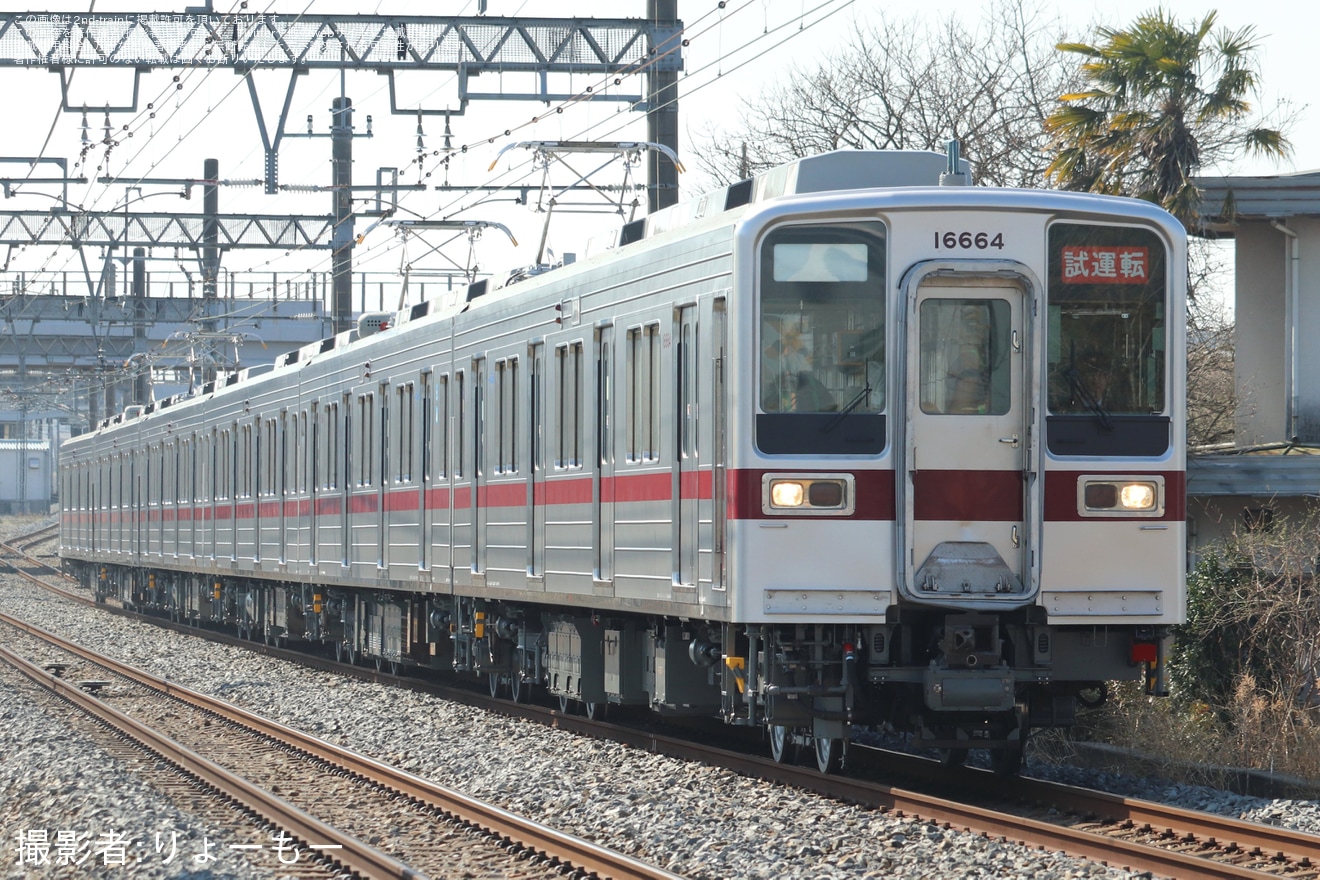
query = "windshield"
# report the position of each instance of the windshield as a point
(822, 327)
(1106, 331)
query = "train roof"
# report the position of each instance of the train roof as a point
(836, 171)
(827, 172)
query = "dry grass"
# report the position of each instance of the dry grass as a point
(1189, 742)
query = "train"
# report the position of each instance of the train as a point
(850, 445)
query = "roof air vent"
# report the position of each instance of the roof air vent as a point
(739, 194)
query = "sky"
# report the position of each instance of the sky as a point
(734, 52)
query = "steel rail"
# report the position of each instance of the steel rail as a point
(351, 853)
(1248, 837)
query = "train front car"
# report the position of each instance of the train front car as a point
(956, 494)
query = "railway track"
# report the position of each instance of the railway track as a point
(1120, 832)
(289, 778)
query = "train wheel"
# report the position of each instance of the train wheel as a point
(779, 743)
(339, 652)
(829, 754)
(519, 691)
(493, 678)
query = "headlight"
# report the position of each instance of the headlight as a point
(787, 493)
(807, 495)
(1110, 495)
(1137, 496)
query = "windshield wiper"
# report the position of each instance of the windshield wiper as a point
(833, 423)
(1082, 391)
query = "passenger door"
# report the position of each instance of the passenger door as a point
(966, 510)
(686, 461)
(603, 490)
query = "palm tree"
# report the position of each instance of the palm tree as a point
(1163, 103)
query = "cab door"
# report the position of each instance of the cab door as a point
(967, 505)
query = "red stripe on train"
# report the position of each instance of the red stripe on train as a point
(875, 497)
(994, 496)
(938, 495)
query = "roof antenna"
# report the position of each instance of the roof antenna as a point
(954, 175)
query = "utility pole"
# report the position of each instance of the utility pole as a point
(210, 262)
(142, 379)
(342, 239)
(662, 109)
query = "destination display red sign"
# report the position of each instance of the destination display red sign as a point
(1105, 264)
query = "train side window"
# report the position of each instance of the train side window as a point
(686, 387)
(442, 434)
(246, 466)
(224, 482)
(171, 495)
(269, 478)
(280, 482)
(253, 474)
(344, 433)
(231, 474)
(604, 404)
(336, 438)
(506, 407)
(183, 482)
(511, 422)
(395, 435)
(258, 476)
(404, 406)
(301, 451)
(568, 453)
(366, 436)
(313, 469)
(536, 418)
(155, 482)
(632, 372)
(206, 486)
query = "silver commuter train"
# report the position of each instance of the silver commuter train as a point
(836, 446)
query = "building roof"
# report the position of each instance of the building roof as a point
(1274, 470)
(1227, 199)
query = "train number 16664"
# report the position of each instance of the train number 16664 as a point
(967, 241)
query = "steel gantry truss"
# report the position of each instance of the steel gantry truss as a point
(639, 59)
(363, 42)
(124, 229)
